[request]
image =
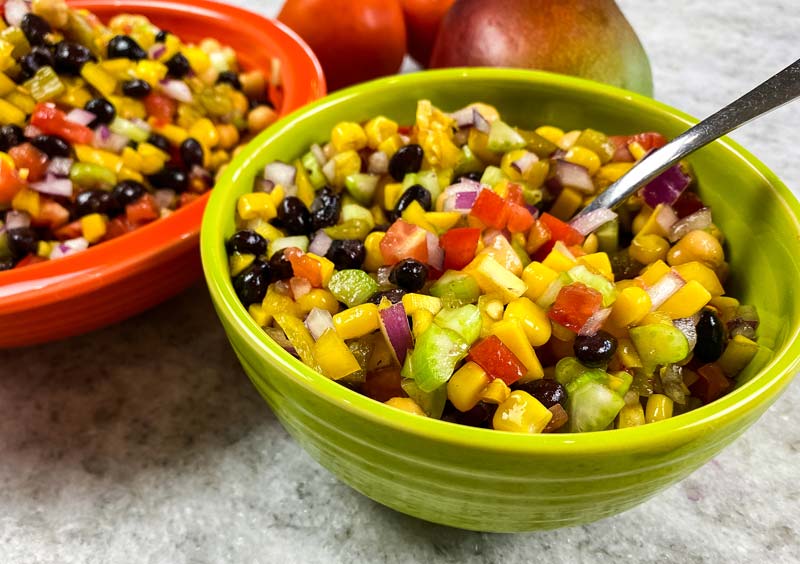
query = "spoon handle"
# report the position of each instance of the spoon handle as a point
(772, 93)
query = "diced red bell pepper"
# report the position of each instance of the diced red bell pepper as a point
(28, 260)
(519, 218)
(52, 121)
(404, 240)
(514, 195)
(687, 203)
(29, 157)
(69, 231)
(304, 266)
(648, 140)
(52, 215)
(621, 153)
(711, 383)
(144, 210)
(120, 225)
(160, 107)
(559, 231)
(574, 305)
(459, 246)
(10, 182)
(497, 360)
(490, 209)
(538, 236)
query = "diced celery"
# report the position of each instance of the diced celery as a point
(434, 358)
(608, 237)
(45, 85)
(503, 138)
(362, 187)
(492, 175)
(313, 170)
(659, 343)
(356, 212)
(456, 289)
(432, 403)
(591, 405)
(468, 162)
(352, 286)
(465, 320)
(427, 179)
(299, 241)
(569, 369)
(129, 129)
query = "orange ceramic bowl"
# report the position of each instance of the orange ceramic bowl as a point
(122, 277)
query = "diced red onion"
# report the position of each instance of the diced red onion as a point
(525, 162)
(700, 219)
(688, 327)
(435, 252)
(564, 250)
(156, 51)
(480, 123)
(320, 243)
(666, 187)
(464, 117)
(382, 275)
(107, 140)
(460, 197)
(465, 200)
(282, 287)
(299, 286)
(319, 154)
(15, 10)
(595, 322)
(745, 322)
(396, 331)
(329, 170)
(140, 123)
(199, 173)
(165, 198)
(54, 186)
(570, 175)
(32, 131)
(80, 116)
(59, 166)
(280, 173)
(17, 219)
(263, 185)
(378, 163)
(662, 290)
(588, 223)
(177, 90)
(69, 247)
(666, 217)
(318, 321)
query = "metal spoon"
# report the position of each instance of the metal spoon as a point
(770, 94)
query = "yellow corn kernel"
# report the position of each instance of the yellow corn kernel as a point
(632, 304)
(687, 301)
(127, 174)
(406, 404)
(566, 204)
(513, 336)
(584, 157)
(701, 273)
(357, 321)
(493, 278)
(653, 273)
(11, 114)
(466, 386)
(259, 315)
(421, 319)
(325, 267)
(205, 132)
(320, 298)
(646, 223)
(277, 195)
(496, 392)
(698, 246)
(630, 416)
(28, 201)
(532, 318)
(174, 134)
(150, 71)
(256, 204)
(87, 154)
(93, 227)
(217, 159)
(558, 261)
(441, 220)
(655, 318)
(506, 164)
(412, 302)
(345, 164)
(627, 354)
(415, 214)
(610, 173)
(659, 407)
(598, 262)
(44, 248)
(552, 134)
(537, 278)
(521, 413)
(100, 79)
(153, 158)
(636, 150)
(648, 248)
(590, 244)
(390, 145)
(128, 108)
(348, 136)
(198, 59)
(372, 245)
(6, 84)
(239, 261)
(392, 193)
(120, 68)
(378, 130)
(333, 357)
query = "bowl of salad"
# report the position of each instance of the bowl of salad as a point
(116, 119)
(397, 269)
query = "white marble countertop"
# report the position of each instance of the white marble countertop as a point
(145, 442)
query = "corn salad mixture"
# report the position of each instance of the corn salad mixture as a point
(435, 268)
(105, 128)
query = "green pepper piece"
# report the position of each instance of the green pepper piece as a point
(90, 175)
(313, 170)
(353, 229)
(503, 138)
(535, 143)
(598, 143)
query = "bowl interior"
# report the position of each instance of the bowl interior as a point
(755, 210)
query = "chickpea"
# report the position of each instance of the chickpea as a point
(210, 45)
(228, 135)
(698, 246)
(253, 84)
(640, 219)
(240, 104)
(260, 118)
(591, 244)
(649, 248)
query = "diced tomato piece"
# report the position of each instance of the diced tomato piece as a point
(490, 209)
(404, 240)
(560, 231)
(144, 210)
(519, 218)
(187, 198)
(52, 121)
(648, 140)
(497, 360)
(120, 225)
(574, 305)
(27, 156)
(538, 236)
(687, 203)
(621, 154)
(161, 107)
(384, 384)
(405, 129)
(28, 260)
(711, 383)
(10, 182)
(69, 231)
(304, 266)
(576, 250)
(459, 246)
(52, 215)
(514, 195)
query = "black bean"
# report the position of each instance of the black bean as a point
(95, 201)
(247, 242)
(394, 295)
(103, 109)
(136, 88)
(325, 208)
(161, 36)
(38, 57)
(548, 392)
(229, 77)
(125, 47)
(178, 66)
(280, 266)
(6, 264)
(417, 193)
(346, 253)
(51, 145)
(10, 137)
(479, 416)
(409, 274)
(710, 337)
(293, 217)
(128, 191)
(170, 177)
(252, 283)
(70, 57)
(35, 29)
(160, 141)
(406, 159)
(191, 153)
(22, 242)
(595, 350)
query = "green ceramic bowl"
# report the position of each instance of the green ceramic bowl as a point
(496, 481)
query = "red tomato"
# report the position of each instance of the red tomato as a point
(118, 226)
(404, 240)
(304, 266)
(423, 18)
(687, 203)
(52, 121)
(30, 259)
(354, 41)
(519, 218)
(10, 183)
(144, 210)
(574, 305)
(160, 107)
(497, 360)
(29, 157)
(459, 246)
(559, 231)
(69, 231)
(490, 209)
(52, 215)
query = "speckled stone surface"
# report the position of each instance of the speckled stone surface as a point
(146, 443)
